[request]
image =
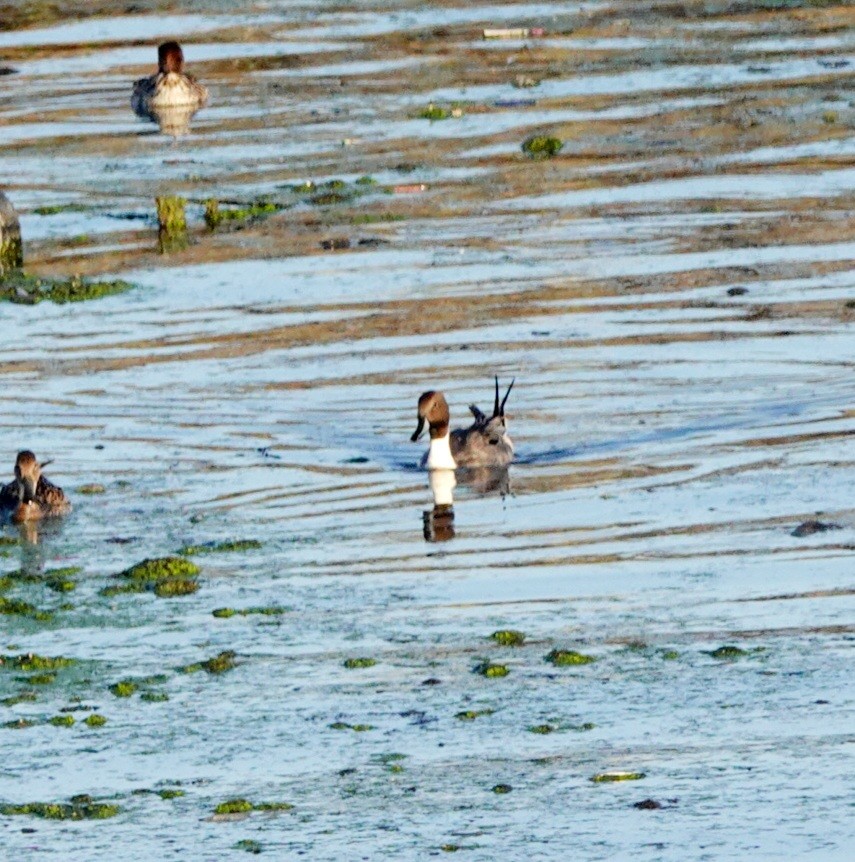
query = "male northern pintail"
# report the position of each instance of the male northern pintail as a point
(170, 87)
(31, 496)
(485, 443)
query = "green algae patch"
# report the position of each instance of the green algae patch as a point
(502, 788)
(248, 845)
(21, 697)
(234, 806)
(227, 613)
(125, 688)
(215, 215)
(40, 679)
(62, 721)
(95, 720)
(542, 729)
(61, 585)
(172, 224)
(354, 663)
(490, 670)
(273, 806)
(18, 608)
(55, 209)
(220, 663)
(171, 793)
(669, 655)
(166, 577)
(221, 547)
(32, 661)
(80, 808)
(567, 658)
(160, 568)
(435, 112)
(542, 146)
(727, 653)
(607, 777)
(154, 696)
(508, 637)
(29, 289)
(19, 724)
(472, 714)
(357, 728)
(173, 587)
(92, 488)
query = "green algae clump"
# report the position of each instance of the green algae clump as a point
(166, 577)
(80, 808)
(728, 653)
(434, 112)
(173, 587)
(125, 688)
(220, 663)
(18, 608)
(606, 777)
(273, 806)
(542, 146)
(248, 846)
(567, 658)
(490, 670)
(234, 806)
(171, 793)
(92, 488)
(154, 696)
(353, 663)
(26, 289)
(502, 788)
(226, 613)
(62, 721)
(221, 547)
(543, 728)
(41, 679)
(472, 714)
(508, 637)
(32, 661)
(214, 216)
(95, 720)
(160, 568)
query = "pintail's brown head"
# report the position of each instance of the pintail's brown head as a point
(28, 471)
(170, 57)
(433, 409)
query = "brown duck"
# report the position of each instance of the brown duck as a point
(31, 496)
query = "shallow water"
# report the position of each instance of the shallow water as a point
(673, 294)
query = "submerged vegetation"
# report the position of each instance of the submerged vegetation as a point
(567, 658)
(166, 577)
(215, 215)
(81, 807)
(508, 637)
(542, 146)
(172, 224)
(220, 547)
(30, 289)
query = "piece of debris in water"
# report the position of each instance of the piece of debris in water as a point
(808, 528)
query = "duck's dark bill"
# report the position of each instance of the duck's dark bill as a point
(419, 428)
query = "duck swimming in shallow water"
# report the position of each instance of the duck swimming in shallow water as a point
(485, 443)
(170, 87)
(31, 496)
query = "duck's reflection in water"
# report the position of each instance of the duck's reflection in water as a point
(173, 120)
(438, 523)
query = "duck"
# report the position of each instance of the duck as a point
(485, 443)
(169, 87)
(32, 496)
